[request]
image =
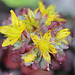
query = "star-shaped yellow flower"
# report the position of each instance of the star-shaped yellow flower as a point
(44, 45)
(30, 21)
(50, 11)
(13, 31)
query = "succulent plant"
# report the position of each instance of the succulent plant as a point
(38, 38)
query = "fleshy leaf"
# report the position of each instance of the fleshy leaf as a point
(53, 25)
(15, 56)
(54, 65)
(35, 66)
(60, 57)
(44, 65)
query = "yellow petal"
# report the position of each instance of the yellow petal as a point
(47, 35)
(60, 19)
(36, 10)
(9, 41)
(30, 13)
(13, 41)
(63, 30)
(42, 8)
(30, 58)
(35, 38)
(50, 9)
(52, 49)
(47, 57)
(8, 30)
(14, 19)
(4, 29)
(48, 21)
(6, 42)
(62, 34)
(22, 26)
(28, 24)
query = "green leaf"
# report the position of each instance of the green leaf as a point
(21, 3)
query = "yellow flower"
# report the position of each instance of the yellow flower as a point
(62, 34)
(13, 31)
(30, 22)
(44, 45)
(50, 11)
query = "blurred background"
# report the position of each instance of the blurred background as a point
(66, 9)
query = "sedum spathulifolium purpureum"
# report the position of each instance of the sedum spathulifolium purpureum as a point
(39, 35)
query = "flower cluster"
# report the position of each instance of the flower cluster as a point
(37, 35)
